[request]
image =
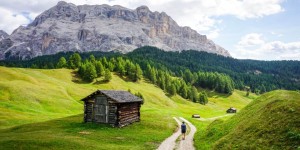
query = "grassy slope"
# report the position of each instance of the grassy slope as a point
(269, 122)
(48, 102)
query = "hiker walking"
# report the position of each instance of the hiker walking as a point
(183, 130)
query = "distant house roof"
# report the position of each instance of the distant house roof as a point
(232, 108)
(118, 96)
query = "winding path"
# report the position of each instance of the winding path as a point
(187, 144)
(170, 142)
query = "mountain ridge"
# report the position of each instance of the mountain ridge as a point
(67, 27)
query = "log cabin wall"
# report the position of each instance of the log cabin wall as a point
(112, 113)
(88, 111)
(117, 108)
(128, 113)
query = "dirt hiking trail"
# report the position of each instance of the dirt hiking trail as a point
(187, 144)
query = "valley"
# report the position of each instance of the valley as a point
(119, 76)
(42, 109)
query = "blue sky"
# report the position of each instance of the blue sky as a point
(281, 27)
(248, 29)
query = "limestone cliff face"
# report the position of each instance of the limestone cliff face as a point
(67, 27)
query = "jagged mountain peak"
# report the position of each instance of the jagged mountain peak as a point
(67, 27)
(3, 35)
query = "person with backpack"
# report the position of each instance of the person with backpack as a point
(183, 130)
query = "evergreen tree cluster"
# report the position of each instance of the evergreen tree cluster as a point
(216, 81)
(174, 85)
(92, 68)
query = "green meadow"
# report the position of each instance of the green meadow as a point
(269, 122)
(41, 109)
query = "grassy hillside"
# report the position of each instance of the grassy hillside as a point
(42, 109)
(269, 122)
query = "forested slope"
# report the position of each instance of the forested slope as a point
(259, 76)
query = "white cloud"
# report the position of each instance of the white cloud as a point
(10, 21)
(198, 14)
(277, 34)
(33, 6)
(252, 39)
(252, 46)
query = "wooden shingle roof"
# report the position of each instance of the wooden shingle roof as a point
(232, 108)
(118, 96)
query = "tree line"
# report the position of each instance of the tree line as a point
(185, 85)
(259, 76)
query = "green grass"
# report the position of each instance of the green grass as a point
(269, 122)
(41, 109)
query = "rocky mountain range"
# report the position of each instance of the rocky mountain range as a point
(67, 27)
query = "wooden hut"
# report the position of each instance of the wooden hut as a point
(117, 108)
(195, 116)
(231, 110)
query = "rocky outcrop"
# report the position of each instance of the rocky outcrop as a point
(3, 35)
(67, 27)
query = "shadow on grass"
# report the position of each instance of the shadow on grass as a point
(219, 95)
(76, 78)
(100, 82)
(212, 93)
(124, 78)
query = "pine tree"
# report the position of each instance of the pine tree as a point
(188, 76)
(153, 74)
(74, 61)
(128, 65)
(99, 68)
(161, 82)
(229, 86)
(248, 91)
(203, 98)
(113, 61)
(111, 66)
(120, 66)
(131, 71)
(81, 70)
(90, 72)
(62, 63)
(183, 90)
(195, 94)
(138, 73)
(192, 94)
(172, 89)
(107, 76)
(121, 69)
(92, 59)
(148, 71)
(104, 62)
